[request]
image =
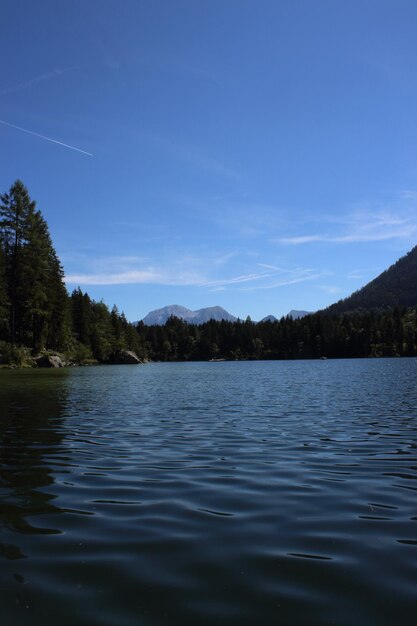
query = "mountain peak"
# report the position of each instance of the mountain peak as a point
(296, 315)
(269, 318)
(158, 317)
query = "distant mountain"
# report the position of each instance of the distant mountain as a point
(397, 286)
(213, 313)
(160, 316)
(296, 315)
(269, 318)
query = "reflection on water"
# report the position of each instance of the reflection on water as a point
(31, 418)
(232, 493)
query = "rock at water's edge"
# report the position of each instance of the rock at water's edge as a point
(49, 361)
(126, 357)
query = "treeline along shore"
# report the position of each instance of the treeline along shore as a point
(39, 318)
(388, 333)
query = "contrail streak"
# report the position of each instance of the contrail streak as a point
(36, 79)
(60, 143)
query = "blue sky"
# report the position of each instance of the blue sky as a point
(257, 155)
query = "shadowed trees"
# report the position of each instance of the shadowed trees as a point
(31, 281)
(389, 332)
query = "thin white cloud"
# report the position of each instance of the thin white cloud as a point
(398, 221)
(238, 279)
(353, 238)
(355, 275)
(301, 239)
(185, 270)
(332, 289)
(268, 279)
(60, 143)
(293, 278)
(130, 270)
(271, 267)
(36, 79)
(118, 263)
(136, 277)
(157, 277)
(123, 278)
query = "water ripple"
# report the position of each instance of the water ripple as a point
(240, 494)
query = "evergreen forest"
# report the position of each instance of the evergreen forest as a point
(38, 315)
(36, 312)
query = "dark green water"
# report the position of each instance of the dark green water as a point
(270, 493)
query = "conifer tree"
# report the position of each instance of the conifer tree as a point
(16, 210)
(34, 277)
(4, 300)
(81, 315)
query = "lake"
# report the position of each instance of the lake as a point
(233, 493)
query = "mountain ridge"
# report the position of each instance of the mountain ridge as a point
(395, 286)
(159, 317)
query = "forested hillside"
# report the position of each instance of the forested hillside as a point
(397, 286)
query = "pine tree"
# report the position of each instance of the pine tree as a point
(4, 300)
(16, 211)
(34, 276)
(81, 315)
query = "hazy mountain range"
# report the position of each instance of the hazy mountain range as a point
(396, 286)
(158, 317)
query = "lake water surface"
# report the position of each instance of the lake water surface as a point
(260, 493)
